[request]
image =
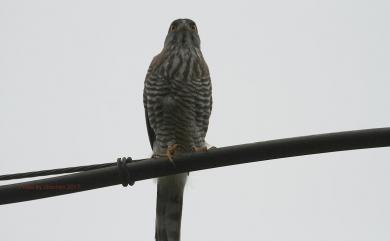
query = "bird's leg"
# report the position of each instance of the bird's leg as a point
(171, 150)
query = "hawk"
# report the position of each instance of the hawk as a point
(177, 100)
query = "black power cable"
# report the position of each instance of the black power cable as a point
(150, 168)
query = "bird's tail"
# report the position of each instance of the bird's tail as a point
(169, 207)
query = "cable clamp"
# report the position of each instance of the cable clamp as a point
(124, 172)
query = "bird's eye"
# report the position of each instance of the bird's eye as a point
(173, 27)
(193, 27)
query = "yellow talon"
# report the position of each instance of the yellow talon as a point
(171, 150)
(199, 149)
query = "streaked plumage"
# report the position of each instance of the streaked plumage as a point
(177, 100)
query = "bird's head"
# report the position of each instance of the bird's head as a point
(182, 32)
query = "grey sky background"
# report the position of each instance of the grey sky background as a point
(71, 81)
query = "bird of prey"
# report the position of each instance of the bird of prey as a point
(177, 100)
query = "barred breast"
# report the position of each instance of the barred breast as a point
(177, 98)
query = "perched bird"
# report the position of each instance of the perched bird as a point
(177, 100)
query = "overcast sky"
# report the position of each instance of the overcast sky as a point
(71, 82)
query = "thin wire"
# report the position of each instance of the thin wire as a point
(55, 171)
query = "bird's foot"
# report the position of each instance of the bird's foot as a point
(199, 149)
(171, 150)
